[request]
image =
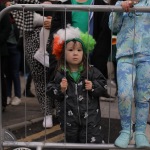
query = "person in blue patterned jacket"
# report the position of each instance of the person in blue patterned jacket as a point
(133, 70)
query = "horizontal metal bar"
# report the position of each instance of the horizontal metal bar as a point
(62, 145)
(56, 7)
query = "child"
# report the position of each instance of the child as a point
(73, 80)
(133, 70)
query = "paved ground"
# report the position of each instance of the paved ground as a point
(28, 110)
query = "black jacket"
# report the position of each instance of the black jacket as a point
(14, 28)
(76, 95)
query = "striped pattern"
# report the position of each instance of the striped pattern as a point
(53, 134)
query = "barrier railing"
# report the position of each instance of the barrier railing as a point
(34, 7)
(55, 7)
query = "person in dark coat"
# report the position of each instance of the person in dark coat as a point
(77, 86)
(13, 78)
(5, 29)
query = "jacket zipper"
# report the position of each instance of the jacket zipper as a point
(76, 93)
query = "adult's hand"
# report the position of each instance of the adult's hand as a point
(126, 5)
(47, 22)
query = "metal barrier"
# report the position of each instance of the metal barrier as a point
(40, 145)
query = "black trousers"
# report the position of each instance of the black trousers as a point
(4, 66)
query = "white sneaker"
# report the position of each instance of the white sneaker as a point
(39, 56)
(48, 122)
(8, 100)
(15, 101)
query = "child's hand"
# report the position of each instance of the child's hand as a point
(47, 22)
(63, 85)
(46, 2)
(88, 85)
(126, 5)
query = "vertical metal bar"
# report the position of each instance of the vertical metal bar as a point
(45, 98)
(65, 119)
(133, 78)
(1, 135)
(39, 148)
(87, 93)
(25, 79)
(110, 80)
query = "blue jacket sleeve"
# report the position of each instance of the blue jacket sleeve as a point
(116, 19)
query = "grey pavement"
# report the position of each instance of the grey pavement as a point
(17, 116)
(25, 113)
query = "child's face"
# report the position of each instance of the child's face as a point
(74, 53)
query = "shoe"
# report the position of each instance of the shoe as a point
(123, 140)
(42, 57)
(8, 100)
(107, 97)
(48, 122)
(15, 101)
(28, 94)
(141, 140)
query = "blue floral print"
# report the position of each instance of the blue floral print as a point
(133, 84)
(133, 30)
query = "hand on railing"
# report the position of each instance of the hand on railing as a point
(63, 85)
(47, 22)
(126, 5)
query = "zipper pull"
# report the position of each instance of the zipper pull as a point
(76, 92)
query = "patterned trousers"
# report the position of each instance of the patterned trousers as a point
(133, 77)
